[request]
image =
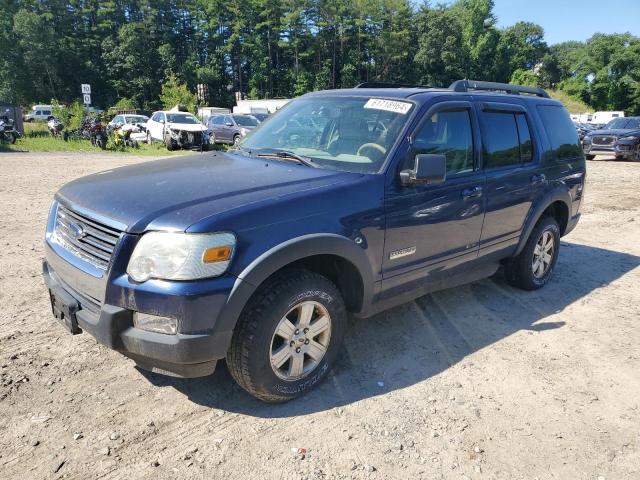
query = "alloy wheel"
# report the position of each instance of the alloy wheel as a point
(300, 341)
(543, 254)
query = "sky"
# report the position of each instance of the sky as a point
(564, 20)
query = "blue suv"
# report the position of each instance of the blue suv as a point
(345, 201)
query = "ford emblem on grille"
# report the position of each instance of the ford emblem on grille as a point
(76, 231)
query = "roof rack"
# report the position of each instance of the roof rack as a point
(388, 85)
(466, 85)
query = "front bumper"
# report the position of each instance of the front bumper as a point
(191, 354)
(622, 151)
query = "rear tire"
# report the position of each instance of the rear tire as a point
(276, 361)
(532, 268)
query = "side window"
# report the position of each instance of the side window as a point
(228, 120)
(561, 131)
(526, 145)
(154, 117)
(46, 112)
(217, 120)
(448, 133)
(38, 112)
(500, 140)
(161, 116)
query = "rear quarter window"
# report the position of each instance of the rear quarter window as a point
(561, 132)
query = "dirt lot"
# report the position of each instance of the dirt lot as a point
(478, 382)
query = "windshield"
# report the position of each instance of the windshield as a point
(245, 121)
(182, 118)
(135, 119)
(617, 123)
(354, 134)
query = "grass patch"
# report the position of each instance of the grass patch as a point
(570, 103)
(37, 139)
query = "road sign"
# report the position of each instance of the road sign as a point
(87, 99)
(86, 88)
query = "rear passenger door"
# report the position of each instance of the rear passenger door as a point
(511, 166)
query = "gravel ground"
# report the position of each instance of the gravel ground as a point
(478, 382)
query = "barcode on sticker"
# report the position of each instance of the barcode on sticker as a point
(388, 105)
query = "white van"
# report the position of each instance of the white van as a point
(39, 113)
(605, 117)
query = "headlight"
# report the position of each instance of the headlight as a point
(181, 256)
(630, 137)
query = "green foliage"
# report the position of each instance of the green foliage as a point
(176, 93)
(124, 104)
(282, 48)
(524, 77)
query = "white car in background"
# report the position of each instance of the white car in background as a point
(137, 122)
(176, 130)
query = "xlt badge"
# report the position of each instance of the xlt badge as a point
(405, 252)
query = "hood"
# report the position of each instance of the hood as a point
(187, 127)
(614, 132)
(177, 192)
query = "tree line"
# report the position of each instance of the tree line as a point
(126, 49)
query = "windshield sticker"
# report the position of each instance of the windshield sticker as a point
(388, 105)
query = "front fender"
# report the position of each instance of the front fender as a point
(286, 253)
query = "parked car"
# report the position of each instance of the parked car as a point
(39, 113)
(257, 254)
(139, 122)
(176, 130)
(620, 137)
(230, 128)
(261, 117)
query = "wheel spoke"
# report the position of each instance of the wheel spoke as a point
(540, 269)
(319, 326)
(296, 365)
(537, 249)
(281, 356)
(316, 351)
(306, 313)
(546, 258)
(286, 329)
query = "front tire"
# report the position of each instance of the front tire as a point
(532, 268)
(169, 143)
(149, 141)
(288, 336)
(236, 140)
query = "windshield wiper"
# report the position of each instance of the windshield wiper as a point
(286, 155)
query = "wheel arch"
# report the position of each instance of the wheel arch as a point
(557, 205)
(333, 256)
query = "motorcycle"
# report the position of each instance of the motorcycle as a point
(91, 129)
(122, 135)
(56, 128)
(8, 132)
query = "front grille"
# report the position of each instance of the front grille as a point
(602, 140)
(87, 239)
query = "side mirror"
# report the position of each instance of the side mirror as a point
(161, 121)
(428, 170)
(229, 124)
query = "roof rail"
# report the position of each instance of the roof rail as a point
(388, 85)
(466, 85)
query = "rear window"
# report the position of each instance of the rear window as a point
(561, 132)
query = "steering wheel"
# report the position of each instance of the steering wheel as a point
(375, 146)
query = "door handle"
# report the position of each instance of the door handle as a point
(537, 179)
(472, 192)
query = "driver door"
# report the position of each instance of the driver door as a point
(433, 228)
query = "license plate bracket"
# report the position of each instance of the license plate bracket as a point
(64, 308)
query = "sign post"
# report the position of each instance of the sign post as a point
(86, 93)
